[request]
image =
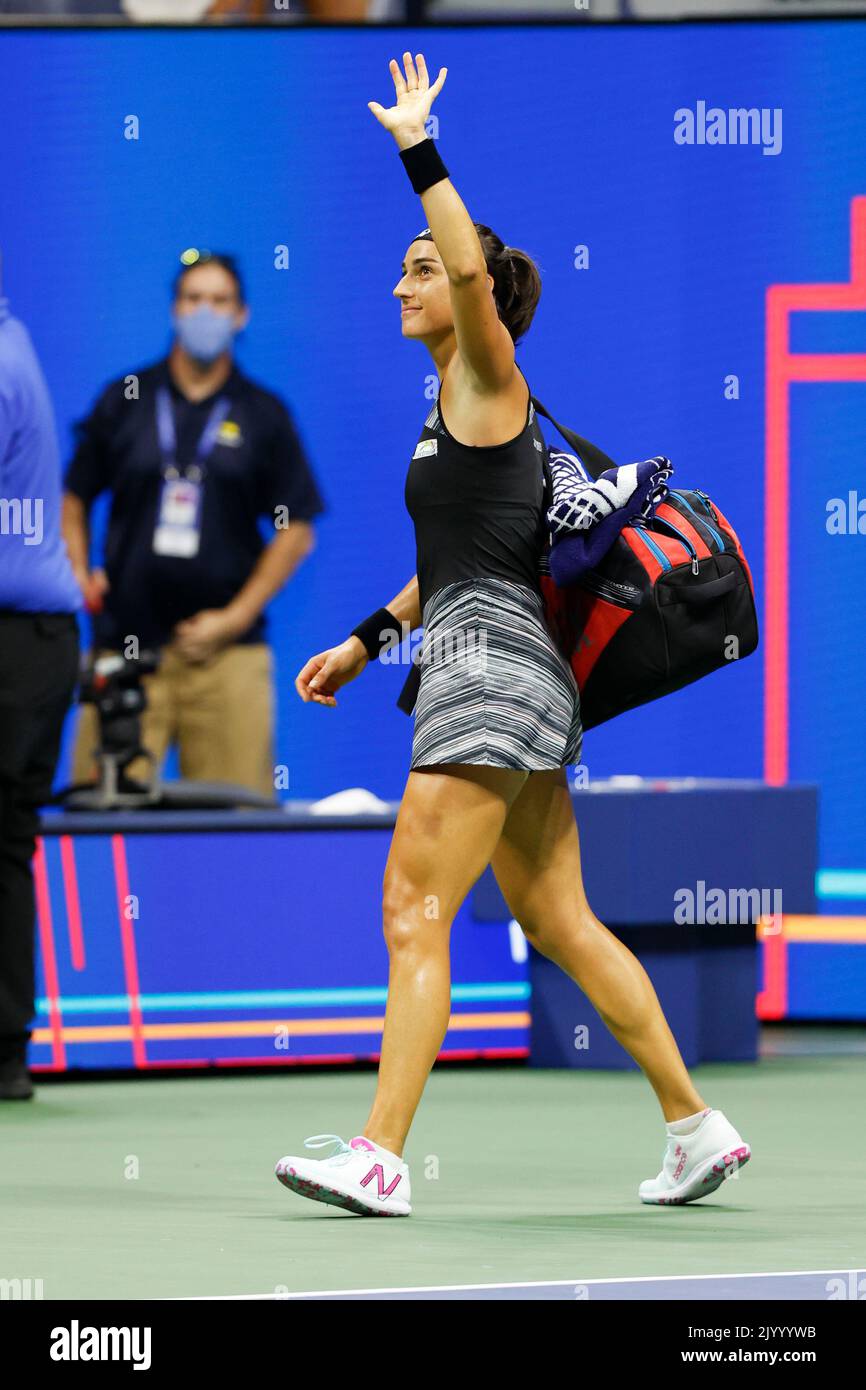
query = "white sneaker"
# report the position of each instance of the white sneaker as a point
(360, 1176)
(695, 1164)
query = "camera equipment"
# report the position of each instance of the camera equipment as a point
(113, 683)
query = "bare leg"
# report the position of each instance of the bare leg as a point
(449, 822)
(537, 866)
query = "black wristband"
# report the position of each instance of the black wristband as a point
(423, 164)
(378, 631)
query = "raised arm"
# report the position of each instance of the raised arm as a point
(484, 343)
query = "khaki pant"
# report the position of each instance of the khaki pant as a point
(219, 713)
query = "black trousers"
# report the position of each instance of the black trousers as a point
(38, 671)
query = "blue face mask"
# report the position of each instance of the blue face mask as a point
(204, 334)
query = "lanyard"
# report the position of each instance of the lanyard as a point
(168, 438)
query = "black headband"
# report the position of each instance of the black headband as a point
(427, 235)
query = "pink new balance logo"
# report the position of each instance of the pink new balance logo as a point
(377, 1172)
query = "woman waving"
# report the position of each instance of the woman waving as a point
(498, 714)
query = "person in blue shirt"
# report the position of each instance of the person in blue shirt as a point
(38, 670)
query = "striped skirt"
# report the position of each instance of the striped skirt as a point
(495, 689)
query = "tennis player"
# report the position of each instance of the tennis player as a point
(498, 714)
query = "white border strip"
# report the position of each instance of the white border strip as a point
(517, 1284)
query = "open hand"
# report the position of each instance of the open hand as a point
(415, 96)
(324, 673)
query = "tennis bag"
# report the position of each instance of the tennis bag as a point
(671, 601)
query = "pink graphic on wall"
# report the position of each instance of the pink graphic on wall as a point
(782, 368)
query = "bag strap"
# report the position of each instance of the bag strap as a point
(595, 460)
(409, 694)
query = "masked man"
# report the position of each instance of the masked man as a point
(197, 461)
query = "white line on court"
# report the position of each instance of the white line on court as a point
(516, 1284)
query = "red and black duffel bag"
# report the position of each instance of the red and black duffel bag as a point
(671, 601)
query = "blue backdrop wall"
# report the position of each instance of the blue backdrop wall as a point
(558, 138)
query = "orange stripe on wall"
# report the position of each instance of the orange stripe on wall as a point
(818, 929)
(265, 1027)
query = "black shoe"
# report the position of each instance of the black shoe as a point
(15, 1083)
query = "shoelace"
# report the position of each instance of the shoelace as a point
(342, 1153)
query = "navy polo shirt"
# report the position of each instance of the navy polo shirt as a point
(257, 465)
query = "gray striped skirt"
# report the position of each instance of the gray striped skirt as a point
(495, 689)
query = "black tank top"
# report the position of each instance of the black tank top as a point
(478, 509)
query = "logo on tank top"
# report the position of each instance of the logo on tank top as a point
(425, 447)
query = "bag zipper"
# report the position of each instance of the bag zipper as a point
(706, 501)
(640, 529)
(715, 535)
(663, 521)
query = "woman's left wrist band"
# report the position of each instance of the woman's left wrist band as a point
(378, 631)
(423, 164)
